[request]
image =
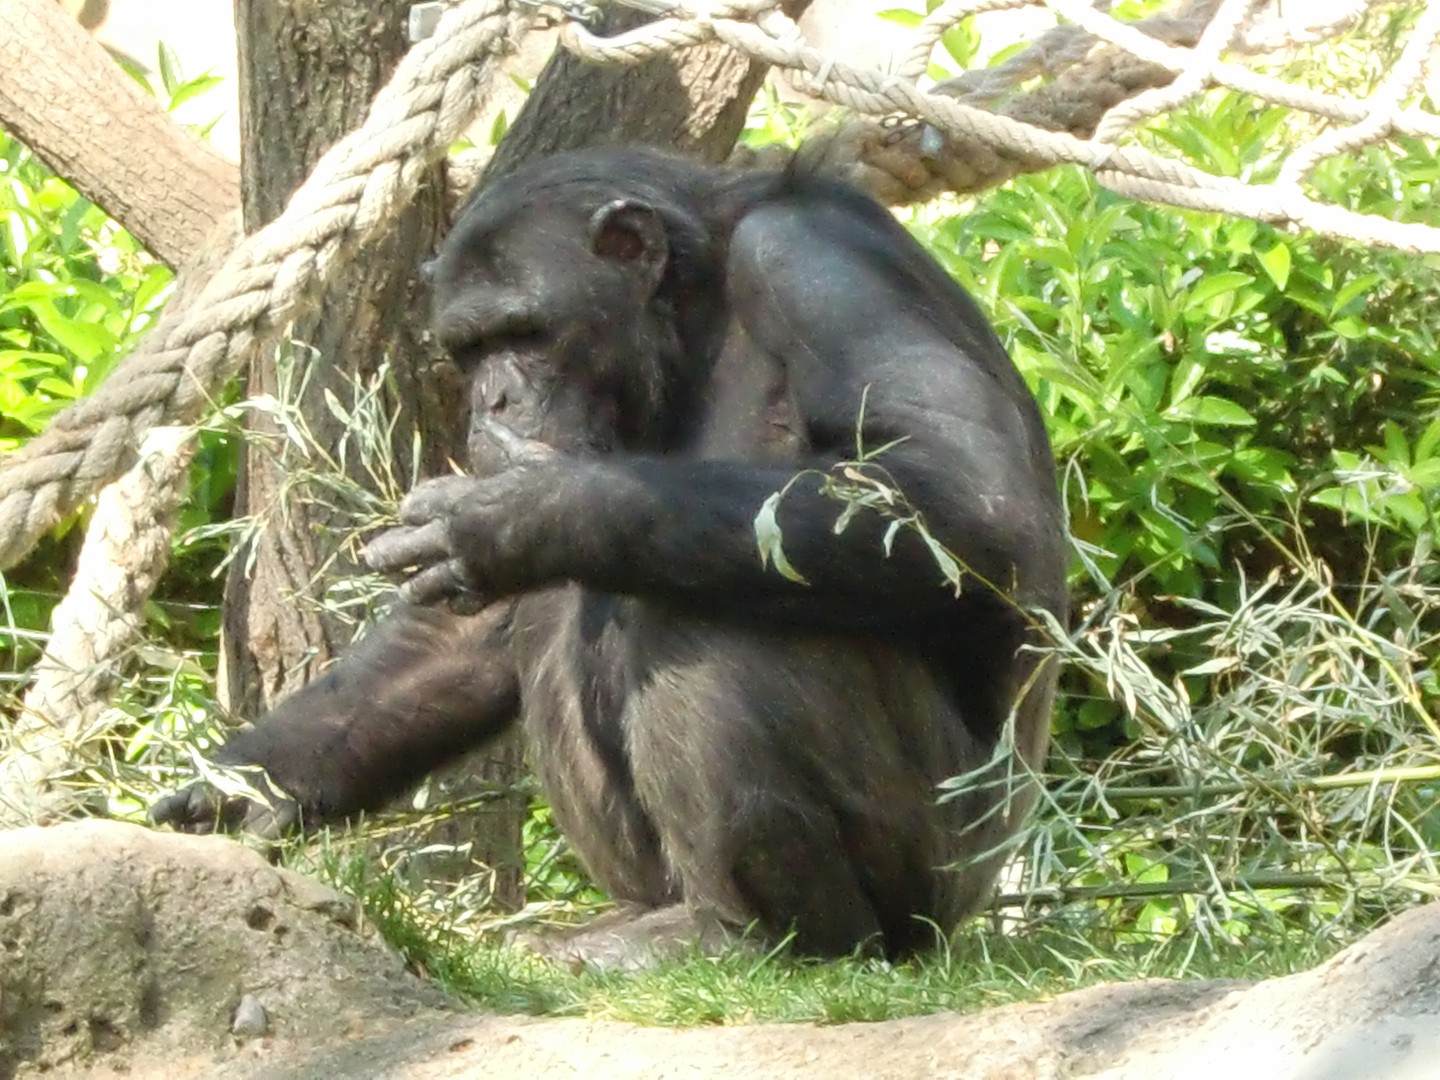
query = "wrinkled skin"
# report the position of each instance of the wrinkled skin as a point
(654, 349)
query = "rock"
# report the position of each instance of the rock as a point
(250, 1020)
(113, 936)
(1371, 1013)
(130, 953)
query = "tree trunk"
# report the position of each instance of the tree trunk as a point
(308, 70)
(694, 100)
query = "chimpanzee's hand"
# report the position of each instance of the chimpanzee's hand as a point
(202, 807)
(422, 545)
(475, 539)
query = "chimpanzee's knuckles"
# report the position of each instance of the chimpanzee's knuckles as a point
(177, 809)
(272, 820)
(401, 548)
(436, 498)
(494, 448)
(506, 443)
(196, 808)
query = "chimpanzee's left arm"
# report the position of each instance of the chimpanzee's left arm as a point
(851, 308)
(425, 686)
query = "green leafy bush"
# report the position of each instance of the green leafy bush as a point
(77, 293)
(1199, 371)
(1246, 425)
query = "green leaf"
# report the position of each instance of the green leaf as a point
(1213, 285)
(86, 340)
(499, 127)
(169, 65)
(1350, 501)
(1190, 371)
(902, 17)
(31, 293)
(1276, 262)
(152, 287)
(97, 295)
(767, 537)
(1214, 667)
(1425, 445)
(1350, 328)
(961, 42)
(1352, 289)
(1397, 448)
(1214, 411)
(943, 559)
(193, 89)
(1425, 474)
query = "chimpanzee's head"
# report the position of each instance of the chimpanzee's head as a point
(580, 298)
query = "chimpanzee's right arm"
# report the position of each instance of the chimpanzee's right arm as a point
(424, 687)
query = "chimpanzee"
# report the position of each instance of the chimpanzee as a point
(655, 347)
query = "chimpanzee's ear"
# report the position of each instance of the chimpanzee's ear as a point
(631, 232)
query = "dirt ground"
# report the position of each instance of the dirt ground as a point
(127, 951)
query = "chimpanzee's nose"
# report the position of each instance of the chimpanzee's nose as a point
(502, 386)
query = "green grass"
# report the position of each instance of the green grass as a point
(980, 968)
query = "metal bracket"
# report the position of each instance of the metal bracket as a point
(581, 11)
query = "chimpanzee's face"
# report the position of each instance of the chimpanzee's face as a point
(545, 300)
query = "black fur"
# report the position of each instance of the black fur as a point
(656, 347)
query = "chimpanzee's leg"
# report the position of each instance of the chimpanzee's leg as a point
(792, 781)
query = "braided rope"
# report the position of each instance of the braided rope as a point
(1188, 84)
(917, 61)
(908, 163)
(1384, 104)
(126, 551)
(354, 191)
(1129, 169)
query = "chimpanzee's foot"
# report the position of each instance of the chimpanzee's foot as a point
(631, 939)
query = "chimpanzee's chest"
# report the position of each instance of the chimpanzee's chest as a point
(750, 410)
(574, 652)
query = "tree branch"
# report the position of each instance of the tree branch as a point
(62, 95)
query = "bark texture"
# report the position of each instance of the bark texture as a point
(63, 96)
(693, 100)
(309, 69)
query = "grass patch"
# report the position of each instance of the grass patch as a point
(979, 968)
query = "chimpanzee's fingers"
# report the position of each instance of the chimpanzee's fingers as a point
(181, 809)
(196, 808)
(434, 498)
(436, 583)
(518, 450)
(406, 547)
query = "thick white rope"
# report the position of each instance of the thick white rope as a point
(1129, 169)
